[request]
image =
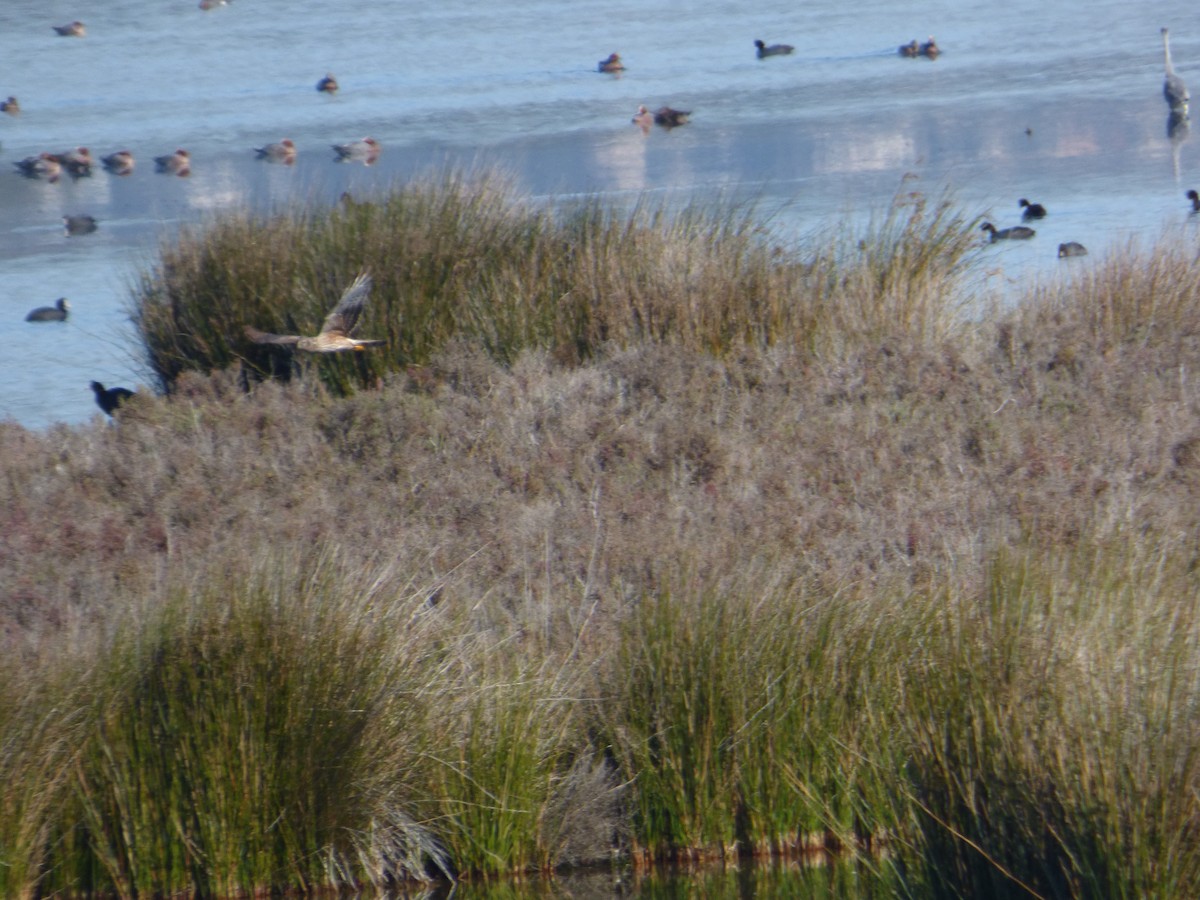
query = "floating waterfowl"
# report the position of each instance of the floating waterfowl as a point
(764, 51)
(1016, 233)
(611, 64)
(77, 162)
(670, 118)
(282, 152)
(365, 151)
(56, 313)
(212, 4)
(75, 29)
(328, 85)
(644, 118)
(930, 49)
(75, 226)
(1071, 248)
(1174, 90)
(337, 330)
(1195, 198)
(119, 163)
(12, 106)
(1032, 210)
(45, 166)
(911, 50)
(110, 399)
(177, 163)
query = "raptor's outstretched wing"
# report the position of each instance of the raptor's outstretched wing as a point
(344, 316)
(262, 337)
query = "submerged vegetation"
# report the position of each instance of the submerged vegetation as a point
(645, 538)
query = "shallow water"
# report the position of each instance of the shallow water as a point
(823, 135)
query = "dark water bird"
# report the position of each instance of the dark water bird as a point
(74, 29)
(282, 152)
(1174, 89)
(110, 399)
(1195, 198)
(930, 49)
(670, 118)
(365, 151)
(764, 51)
(1032, 210)
(77, 225)
(611, 64)
(56, 313)
(1071, 248)
(119, 163)
(1016, 233)
(336, 331)
(77, 162)
(911, 50)
(46, 166)
(328, 85)
(177, 163)
(12, 106)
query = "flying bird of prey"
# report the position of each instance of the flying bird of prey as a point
(337, 329)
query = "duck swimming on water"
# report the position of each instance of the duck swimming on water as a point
(56, 313)
(1195, 198)
(1032, 210)
(1016, 233)
(764, 51)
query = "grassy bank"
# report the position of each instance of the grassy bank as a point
(647, 536)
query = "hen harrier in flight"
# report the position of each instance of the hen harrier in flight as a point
(336, 330)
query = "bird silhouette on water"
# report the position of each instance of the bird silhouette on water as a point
(56, 313)
(1032, 210)
(110, 399)
(1174, 89)
(764, 51)
(337, 330)
(77, 225)
(1071, 248)
(1016, 233)
(611, 64)
(1195, 198)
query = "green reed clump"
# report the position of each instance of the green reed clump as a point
(235, 749)
(466, 258)
(499, 746)
(743, 719)
(1054, 733)
(42, 723)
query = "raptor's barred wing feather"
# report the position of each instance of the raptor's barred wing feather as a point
(345, 315)
(263, 337)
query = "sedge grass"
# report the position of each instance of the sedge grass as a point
(465, 258)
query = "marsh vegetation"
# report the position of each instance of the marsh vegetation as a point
(645, 535)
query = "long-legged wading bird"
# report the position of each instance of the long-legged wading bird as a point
(1174, 89)
(336, 330)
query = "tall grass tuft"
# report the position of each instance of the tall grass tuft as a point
(742, 715)
(465, 257)
(235, 747)
(1054, 733)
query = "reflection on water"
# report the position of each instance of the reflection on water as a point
(843, 880)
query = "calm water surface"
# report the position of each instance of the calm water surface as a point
(815, 138)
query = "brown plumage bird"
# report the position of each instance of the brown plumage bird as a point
(337, 329)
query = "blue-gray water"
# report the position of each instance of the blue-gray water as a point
(817, 137)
